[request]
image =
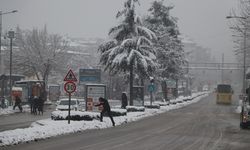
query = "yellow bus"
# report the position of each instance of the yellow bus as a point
(224, 94)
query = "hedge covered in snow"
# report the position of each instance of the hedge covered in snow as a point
(153, 106)
(135, 109)
(118, 112)
(88, 116)
(74, 115)
(162, 103)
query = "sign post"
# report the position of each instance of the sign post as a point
(151, 89)
(70, 87)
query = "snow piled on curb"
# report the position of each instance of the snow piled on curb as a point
(46, 128)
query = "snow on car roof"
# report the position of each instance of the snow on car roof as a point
(66, 99)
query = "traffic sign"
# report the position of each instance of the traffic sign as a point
(70, 76)
(151, 87)
(70, 87)
(89, 76)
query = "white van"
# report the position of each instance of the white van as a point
(63, 105)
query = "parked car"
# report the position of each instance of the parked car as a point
(245, 116)
(63, 105)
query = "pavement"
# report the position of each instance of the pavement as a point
(24, 119)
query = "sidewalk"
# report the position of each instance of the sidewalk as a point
(9, 110)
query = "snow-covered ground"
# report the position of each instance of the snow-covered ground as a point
(238, 109)
(46, 128)
(10, 110)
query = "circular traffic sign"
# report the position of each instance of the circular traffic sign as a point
(70, 87)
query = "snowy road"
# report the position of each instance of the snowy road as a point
(203, 125)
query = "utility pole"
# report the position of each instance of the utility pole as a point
(1, 58)
(187, 81)
(244, 62)
(244, 31)
(222, 71)
(11, 35)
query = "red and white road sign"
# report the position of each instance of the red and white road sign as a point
(70, 76)
(70, 87)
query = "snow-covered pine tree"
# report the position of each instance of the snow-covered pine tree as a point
(130, 48)
(170, 54)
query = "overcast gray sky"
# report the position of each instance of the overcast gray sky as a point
(202, 20)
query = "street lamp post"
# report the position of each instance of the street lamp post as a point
(11, 35)
(244, 53)
(244, 62)
(1, 60)
(244, 68)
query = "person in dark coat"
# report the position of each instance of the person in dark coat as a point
(40, 105)
(105, 108)
(18, 103)
(31, 102)
(124, 100)
(35, 105)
